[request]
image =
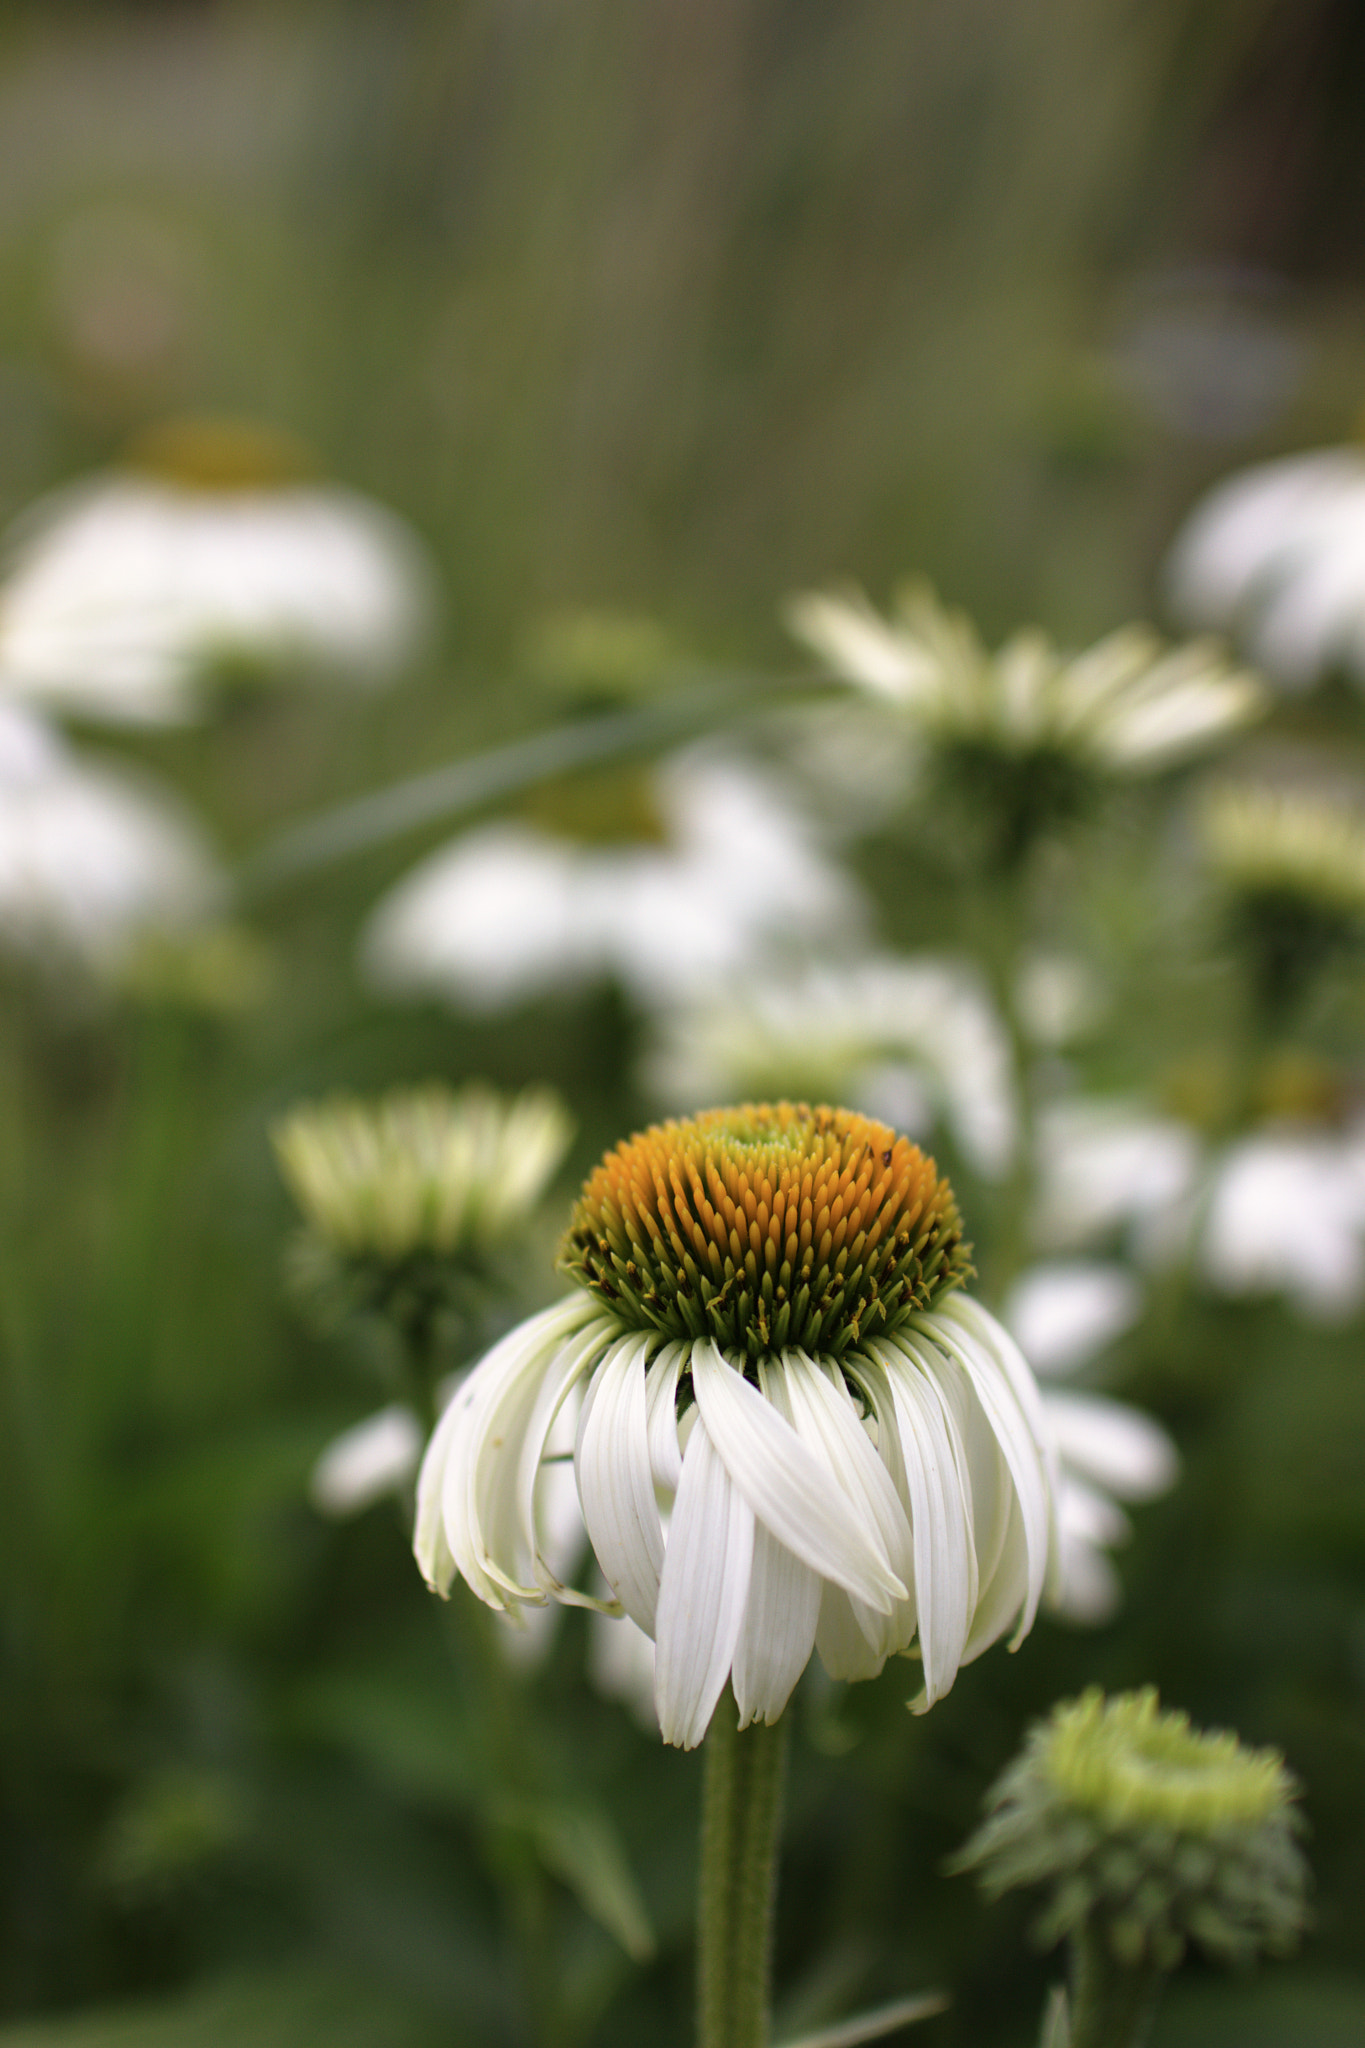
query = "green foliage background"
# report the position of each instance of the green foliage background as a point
(672, 306)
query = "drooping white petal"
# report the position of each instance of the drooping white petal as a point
(661, 1414)
(778, 1634)
(822, 1412)
(546, 1422)
(788, 1488)
(945, 1559)
(1063, 1312)
(473, 1462)
(616, 1484)
(1005, 1388)
(840, 1640)
(703, 1592)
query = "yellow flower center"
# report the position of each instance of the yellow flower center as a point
(768, 1225)
(1133, 1765)
(220, 455)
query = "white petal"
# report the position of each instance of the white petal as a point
(1065, 1312)
(615, 1483)
(786, 1485)
(703, 1592)
(822, 1412)
(661, 1414)
(945, 1558)
(474, 1458)
(1005, 1388)
(1117, 1446)
(843, 1647)
(778, 1634)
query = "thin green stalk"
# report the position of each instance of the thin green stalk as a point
(1112, 2005)
(741, 1806)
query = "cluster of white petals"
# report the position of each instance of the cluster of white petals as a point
(121, 594)
(91, 858)
(1276, 556)
(1128, 705)
(909, 1040)
(425, 1168)
(508, 912)
(776, 1515)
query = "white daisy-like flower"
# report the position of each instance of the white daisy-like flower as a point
(509, 911)
(772, 1349)
(121, 596)
(1113, 1165)
(428, 1169)
(1286, 1215)
(1276, 556)
(92, 860)
(1064, 1313)
(1126, 706)
(905, 1039)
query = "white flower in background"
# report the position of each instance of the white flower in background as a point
(1278, 1211)
(1110, 1165)
(367, 1463)
(92, 860)
(767, 1327)
(1063, 1315)
(1276, 556)
(509, 911)
(1126, 706)
(425, 1169)
(1286, 1214)
(907, 1040)
(120, 596)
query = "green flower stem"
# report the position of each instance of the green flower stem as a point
(741, 1806)
(1112, 2005)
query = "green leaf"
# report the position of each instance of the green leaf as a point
(1056, 2020)
(580, 1847)
(877, 2023)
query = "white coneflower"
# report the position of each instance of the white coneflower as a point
(122, 595)
(92, 860)
(421, 1170)
(510, 911)
(768, 1333)
(1276, 556)
(1126, 706)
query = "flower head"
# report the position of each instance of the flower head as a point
(1291, 864)
(1155, 1830)
(212, 550)
(402, 1193)
(1126, 706)
(768, 1332)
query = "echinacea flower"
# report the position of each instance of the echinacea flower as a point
(769, 1336)
(122, 596)
(1276, 557)
(510, 911)
(93, 860)
(1126, 706)
(1289, 863)
(1148, 1834)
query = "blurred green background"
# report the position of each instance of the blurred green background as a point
(670, 306)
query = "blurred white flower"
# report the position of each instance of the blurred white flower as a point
(908, 1040)
(1286, 1214)
(120, 595)
(1278, 1211)
(1276, 556)
(509, 911)
(91, 859)
(1110, 1165)
(1126, 706)
(1063, 1314)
